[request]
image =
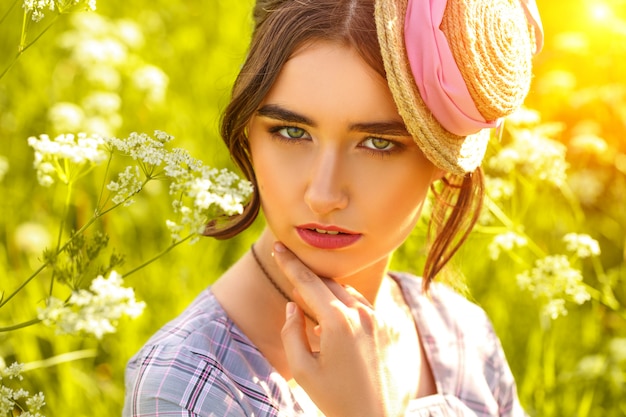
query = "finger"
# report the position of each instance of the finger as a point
(347, 294)
(295, 342)
(357, 296)
(315, 294)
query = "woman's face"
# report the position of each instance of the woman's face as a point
(341, 181)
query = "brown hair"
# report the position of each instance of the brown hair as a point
(281, 27)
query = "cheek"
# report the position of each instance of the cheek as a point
(400, 201)
(277, 177)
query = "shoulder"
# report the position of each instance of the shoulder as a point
(446, 318)
(203, 329)
(194, 363)
(463, 349)
(441, 303)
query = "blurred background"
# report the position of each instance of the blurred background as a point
(146, 65)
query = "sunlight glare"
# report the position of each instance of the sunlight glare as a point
(600, 11)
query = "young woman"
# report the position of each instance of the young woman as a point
(344, 115)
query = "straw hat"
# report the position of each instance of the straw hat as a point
(456, 68)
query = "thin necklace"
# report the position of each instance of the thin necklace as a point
(274, 284)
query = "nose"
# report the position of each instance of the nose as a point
(326, 190)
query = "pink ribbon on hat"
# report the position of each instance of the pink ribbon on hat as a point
(436, 73)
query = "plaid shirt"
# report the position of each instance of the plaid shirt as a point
(201, 364)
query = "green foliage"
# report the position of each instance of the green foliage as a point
(145, 66)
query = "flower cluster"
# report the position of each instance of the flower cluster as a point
(67, 157)
(95, 311)
(532, 155)
(206, 194)
(200, 194)
(17, 400)
(505, 242)
(106, 56)
(583, 246)
(37, 8)
(555, 281)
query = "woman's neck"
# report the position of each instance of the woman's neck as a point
(367, 281)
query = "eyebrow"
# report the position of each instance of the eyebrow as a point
(278, 113)
(392, 128)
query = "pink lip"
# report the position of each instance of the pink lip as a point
(319, 240)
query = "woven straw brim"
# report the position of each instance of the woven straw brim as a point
(453, 153)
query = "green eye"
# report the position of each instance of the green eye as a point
(293, 132)
(379, 144)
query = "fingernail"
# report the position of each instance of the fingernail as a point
(279, 247)
(290, 309)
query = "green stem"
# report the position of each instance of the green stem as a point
(158, 255)
(23, 47)
(549, 372)
(26, 19)
(502, 217)
(61, 249)
(6, 14)
(68, 201)
(573, 202)
(59, 359)
(106, 173)
(19, 326)
(29, 279)
(607, 295)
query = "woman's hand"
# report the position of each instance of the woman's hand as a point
(348, 376)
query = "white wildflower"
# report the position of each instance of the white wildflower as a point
(179, 164)
(142, 147)
(505, 161)
(175, 229)
(555, 308)
(36, 402)
(67, 156)
(552, 279)
(66, 117)
(102, 103)
(534, 156)
(589, 144)
(588, 185)
(95, 311)
(498, 188)
(505, 242)
(524, 117)
(201, 194)
(584, 246)
(13, 371)
(103, 125)
(104, 77)
(205, 194)
(129, 182)
(10, 396)
(32, 238)
(130, 33)
(91, 52)
(38, 8)
(152, 81)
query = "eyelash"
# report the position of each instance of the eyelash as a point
(275, 131)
